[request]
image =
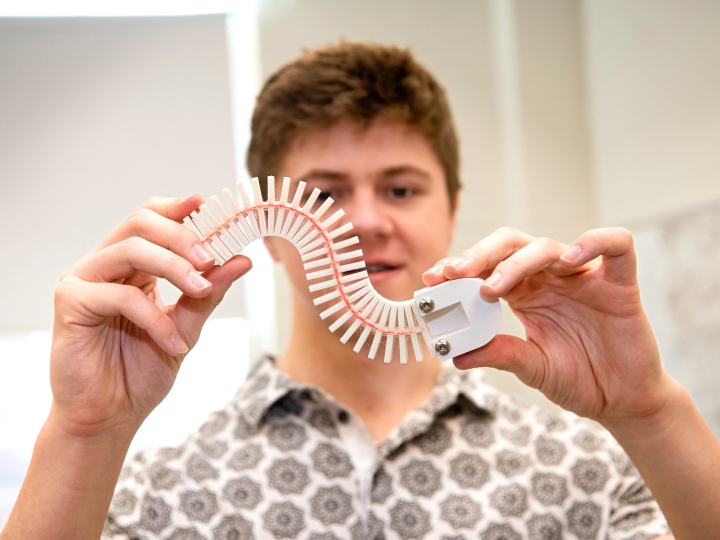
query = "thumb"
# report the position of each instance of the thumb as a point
(507, 353)
(190, 314)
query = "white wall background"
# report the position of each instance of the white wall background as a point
(96, 115)
(653, 74)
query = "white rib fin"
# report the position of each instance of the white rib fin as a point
(260, 214)
(390, 338)
(210, 218)
(378, 333)
(353, 277)
(220, 248)
(232, 227)
(312, 245)
(300, 220)
(358, 285)
(314, 264)
(389, 348)
(332, 219)
(250, 215)
(298, 194)
(316, 253)
(203, 227)
(401, 338)
(233, 202)
(340, 231)
(220, 210)
(323, 285)
(350, 331)
(301, 242)
(338, 258)
(232, 244)
(345, 243)
(190, 225)
(337, 307)
(270, 209)
(327, 203)
(342, 320)
(362, 339)
(361, 293)
(374, 301)
(311, 200)
(375, 306)
(326, 297)
(417, 349)
(418, 316)
(218, 257)
(280, 216)
(284, 190)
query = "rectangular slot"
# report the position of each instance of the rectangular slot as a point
(446, 321)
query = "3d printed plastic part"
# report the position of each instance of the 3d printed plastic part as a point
(452, 317)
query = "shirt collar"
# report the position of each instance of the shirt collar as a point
(451, 387)
(266, 384)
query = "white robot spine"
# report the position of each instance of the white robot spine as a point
(451, 317)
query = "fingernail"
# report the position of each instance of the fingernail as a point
(178, 344)
(435, 269)
(187, 197)
(198, 281)
(457, 262)
(201, 254)
(494, 280)
(572, 254)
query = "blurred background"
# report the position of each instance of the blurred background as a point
(572, 115)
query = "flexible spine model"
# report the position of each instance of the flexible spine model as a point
(336, 271)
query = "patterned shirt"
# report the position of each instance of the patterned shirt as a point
(287, 460)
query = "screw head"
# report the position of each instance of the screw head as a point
(442, 347)
(426, 305)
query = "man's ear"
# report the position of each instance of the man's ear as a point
(272, 247)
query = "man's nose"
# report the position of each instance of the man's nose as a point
(368, 215)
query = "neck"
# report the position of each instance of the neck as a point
(381, 394)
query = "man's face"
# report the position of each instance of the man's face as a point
(392, 188)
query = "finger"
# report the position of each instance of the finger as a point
(160, 228)
(136, 254)
(537, 256)
(487, 254)
(614, 244)
(434, 275)
(172, 208)
(189, 314)
(507, 353)
(94, 302)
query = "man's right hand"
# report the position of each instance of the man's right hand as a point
(116, 347)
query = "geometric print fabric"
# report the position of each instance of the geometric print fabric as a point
(286, 460)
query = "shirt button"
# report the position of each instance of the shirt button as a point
(343, 417)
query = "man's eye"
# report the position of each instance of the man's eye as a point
(400, 192)
(324, 195)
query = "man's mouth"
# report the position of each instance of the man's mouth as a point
(377, 268)
(372, 269)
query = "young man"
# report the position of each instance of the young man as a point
(323, 443)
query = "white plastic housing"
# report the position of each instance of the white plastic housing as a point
(460, 316)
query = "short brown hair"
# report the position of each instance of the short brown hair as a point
(350, 81)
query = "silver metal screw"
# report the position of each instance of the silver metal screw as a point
(442, 347)
(426, 305)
